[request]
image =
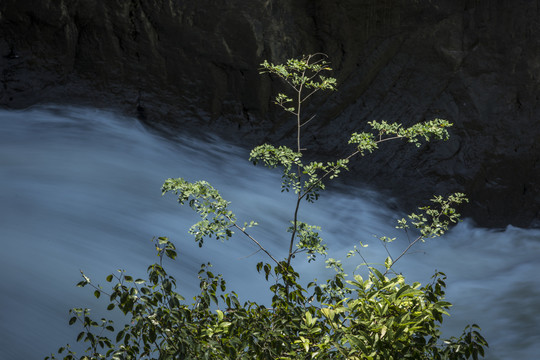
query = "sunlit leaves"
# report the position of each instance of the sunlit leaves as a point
(283, 157)
(284, 102)
(364, 141)
(308, 240)
(373, 315)
(378, 314)
(303, 72)
(383, 131)
(216, 219)
(434, 220)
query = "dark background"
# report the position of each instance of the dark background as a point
(192, 66)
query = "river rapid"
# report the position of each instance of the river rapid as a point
(80, 190)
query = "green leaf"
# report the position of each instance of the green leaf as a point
(388, 262)
(120, 335)
(220, 315)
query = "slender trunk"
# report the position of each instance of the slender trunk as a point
(298, 169)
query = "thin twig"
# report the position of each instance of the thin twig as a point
(245, 257)
(326, 174)
(255, 241)
(407, 249)
(386, 248)
(332, 170)
(305, 122)
(311, 93)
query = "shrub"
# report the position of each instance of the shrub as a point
(376, 316)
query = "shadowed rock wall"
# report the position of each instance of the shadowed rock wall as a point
(187, 64)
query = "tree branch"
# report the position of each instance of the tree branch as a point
(255, 241)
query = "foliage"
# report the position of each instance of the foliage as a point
(375, 316)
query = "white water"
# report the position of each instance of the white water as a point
(80, 189)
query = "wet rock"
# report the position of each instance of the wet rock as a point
(193, 65)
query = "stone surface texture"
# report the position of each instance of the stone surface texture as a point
(193, 65)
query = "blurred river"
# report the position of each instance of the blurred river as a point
(80, 190)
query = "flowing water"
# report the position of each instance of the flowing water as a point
(80, 190)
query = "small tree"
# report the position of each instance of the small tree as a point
(376, 316)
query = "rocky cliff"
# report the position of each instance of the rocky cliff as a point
(186, 64)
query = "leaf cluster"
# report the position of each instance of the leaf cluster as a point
(434, 220)
(384, 131)
(300, 74)
(376, 317)
(216, 220)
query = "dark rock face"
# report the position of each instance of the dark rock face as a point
(187, 64)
